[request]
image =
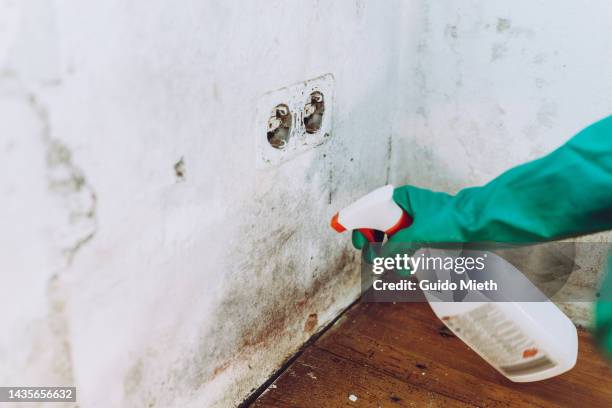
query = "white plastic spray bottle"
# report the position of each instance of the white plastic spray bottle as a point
(524, 341)
(375, 211)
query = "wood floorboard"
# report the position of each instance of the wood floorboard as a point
(396, 355)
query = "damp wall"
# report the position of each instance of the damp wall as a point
(146, 259)
(149, 261)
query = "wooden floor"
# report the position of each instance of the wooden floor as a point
(400, 355)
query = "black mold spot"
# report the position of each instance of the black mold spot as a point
(179, 170)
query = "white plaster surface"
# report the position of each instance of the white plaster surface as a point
(147, 289)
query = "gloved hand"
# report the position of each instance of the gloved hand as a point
(566, 193)
(425, 207)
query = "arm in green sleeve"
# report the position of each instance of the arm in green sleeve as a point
(566, 193)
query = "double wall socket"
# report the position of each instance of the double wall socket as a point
(293, 119)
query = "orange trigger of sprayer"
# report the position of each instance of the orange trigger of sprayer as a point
(376, 211)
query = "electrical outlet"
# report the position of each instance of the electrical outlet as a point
(293, 119)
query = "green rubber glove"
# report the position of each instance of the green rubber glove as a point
(566, 193)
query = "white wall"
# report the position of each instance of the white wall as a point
(145, 290)
(499, 83)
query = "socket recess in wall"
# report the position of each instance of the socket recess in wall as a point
(293, 119)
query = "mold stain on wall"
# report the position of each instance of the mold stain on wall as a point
(179, 170)
(50, 348)
(67, 182)
(286, 305)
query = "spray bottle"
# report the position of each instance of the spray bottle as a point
(373, 212)
(524, 341)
